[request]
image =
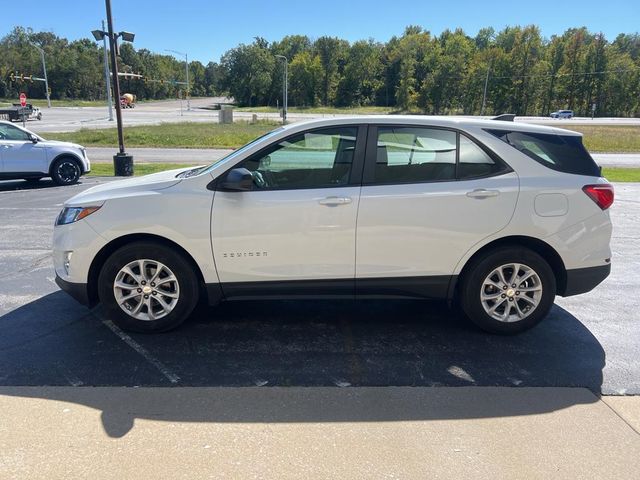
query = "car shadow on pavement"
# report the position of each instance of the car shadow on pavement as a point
(13, 185)
(10, 185)
(55, 342)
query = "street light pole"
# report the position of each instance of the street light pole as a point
(122, 163)
(285, 88)
(107, 80)
(186, 69)
(484, 95)
(44, 67)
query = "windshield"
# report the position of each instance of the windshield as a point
(237, 152)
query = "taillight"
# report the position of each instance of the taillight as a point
(601, 194)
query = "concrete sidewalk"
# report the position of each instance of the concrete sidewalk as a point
(350, 433)
(209, 155)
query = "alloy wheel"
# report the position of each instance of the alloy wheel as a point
(146, 289)
(511, 292)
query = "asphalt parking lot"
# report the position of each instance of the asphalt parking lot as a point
(47, 339)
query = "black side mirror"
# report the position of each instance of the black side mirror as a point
(33, 138)
(238, 180)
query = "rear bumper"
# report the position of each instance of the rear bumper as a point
(79, 291)
(583, 280)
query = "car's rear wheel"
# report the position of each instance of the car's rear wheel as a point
(147, 287)
(507, 291)
(66, 171)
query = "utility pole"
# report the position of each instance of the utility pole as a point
(107, 80)
(44, 67)
(285, 88)
(188, 92)
(484, 95)
(186, 69)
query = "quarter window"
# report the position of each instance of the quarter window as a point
(412, 155)
(474, 161)
(315, 159)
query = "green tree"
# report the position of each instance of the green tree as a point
(249, 70)
(332, 53)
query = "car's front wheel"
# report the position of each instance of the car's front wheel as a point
(147, 287)
(66, 171)
(508, 291)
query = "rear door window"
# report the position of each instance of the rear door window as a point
(411, 154)
(564, 153)
(414, 155)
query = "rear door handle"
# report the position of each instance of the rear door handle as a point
(482, 193)
(335, 201)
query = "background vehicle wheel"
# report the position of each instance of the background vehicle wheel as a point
(147, 287)
(507, 291)
(66, 171)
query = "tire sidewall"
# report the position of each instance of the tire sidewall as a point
(54, 171)
(189, 288)
(473, 281)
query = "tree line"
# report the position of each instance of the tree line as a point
(521, 71)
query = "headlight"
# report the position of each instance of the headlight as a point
(73, 214)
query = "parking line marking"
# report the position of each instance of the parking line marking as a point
(172, 377)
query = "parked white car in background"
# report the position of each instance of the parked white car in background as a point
(498, 216)
(23, 154)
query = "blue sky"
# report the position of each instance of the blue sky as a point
(206, 29)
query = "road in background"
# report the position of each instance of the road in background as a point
(195, 156)
(69, 119)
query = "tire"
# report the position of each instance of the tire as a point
(66, 171)
(151, 315)
(519, 310)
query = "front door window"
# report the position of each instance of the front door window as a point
(315, 159)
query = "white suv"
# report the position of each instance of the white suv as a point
(495, 215)
(23, 154)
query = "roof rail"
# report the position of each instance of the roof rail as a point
(505, 117)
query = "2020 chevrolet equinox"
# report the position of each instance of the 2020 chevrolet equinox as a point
(498, 216)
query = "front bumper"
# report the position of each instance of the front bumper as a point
(583, 280)
(79, 291)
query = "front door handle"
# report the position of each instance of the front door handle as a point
(482, 193)
(335, 201)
